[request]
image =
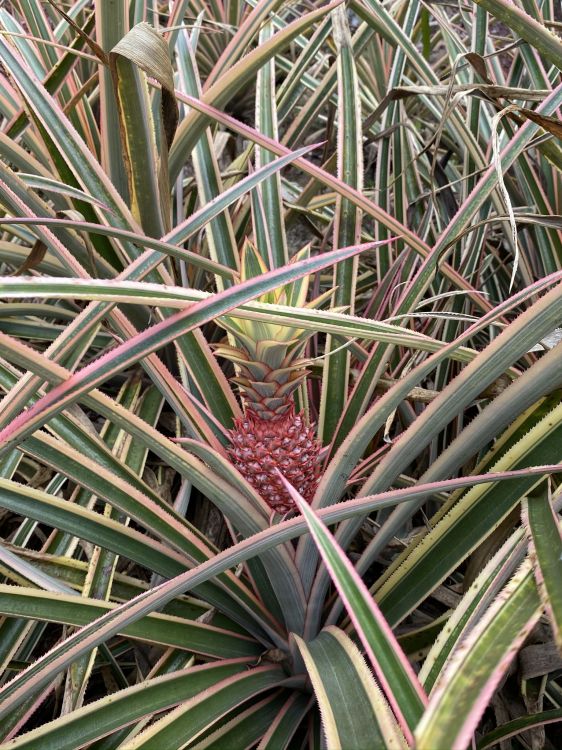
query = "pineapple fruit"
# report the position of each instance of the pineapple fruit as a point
(271, 435)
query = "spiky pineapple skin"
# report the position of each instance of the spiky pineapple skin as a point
(259, 446)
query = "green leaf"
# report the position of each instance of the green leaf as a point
(267, 213)
(545, 549)
(347, 225)
(41, 672)
(246, 726)
(166, 630)
(351, 705)
(88, 525)
(326, 321)
(225, 88)
(529, 29)
(55, 78)
(462, 527)
(514, 341)
(394, 672)
(189, 720)
(126, 706)
(220, 232)
(157, 336)
(111, 25)
(515, 727)
(487, 585)
(477, 665)
(286, 723)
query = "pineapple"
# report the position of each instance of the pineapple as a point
(269, 367)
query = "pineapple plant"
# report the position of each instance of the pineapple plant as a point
(268, 358)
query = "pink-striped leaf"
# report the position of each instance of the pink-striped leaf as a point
(477, 665)
(121, 709)
(394, 672)
(27, 683)
(545, 548)
(157, 336)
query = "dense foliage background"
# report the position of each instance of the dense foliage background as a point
(373, 190)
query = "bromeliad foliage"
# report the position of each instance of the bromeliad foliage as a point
(281, 427)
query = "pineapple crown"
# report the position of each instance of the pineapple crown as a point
(266, 354)
(254, 335)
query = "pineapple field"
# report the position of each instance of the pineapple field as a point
(280, 375)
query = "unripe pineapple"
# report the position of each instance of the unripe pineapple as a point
(269, 367)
